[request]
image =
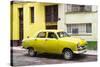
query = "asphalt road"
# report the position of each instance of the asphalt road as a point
(20, 58)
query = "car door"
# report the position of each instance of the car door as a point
(51, 43)
(39, 42)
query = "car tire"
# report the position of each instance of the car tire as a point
(31, 52)
(67, 54)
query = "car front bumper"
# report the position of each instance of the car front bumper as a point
(80, 52)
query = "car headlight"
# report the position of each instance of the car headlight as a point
(79, 47)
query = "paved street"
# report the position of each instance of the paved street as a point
(20, 58)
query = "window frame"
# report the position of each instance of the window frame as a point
(32, 14)
(75, 31)
(51, 13)
(89, 30)
(39, 36)
(58, 34)
(54, 34)
(78, 8)
(80, 31)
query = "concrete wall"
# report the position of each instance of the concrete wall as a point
(61, 16)
(79, 17)
(84, 18)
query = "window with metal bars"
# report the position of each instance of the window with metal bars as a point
(79, 28)
(78, 8)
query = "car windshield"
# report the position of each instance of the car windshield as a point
(63, 34)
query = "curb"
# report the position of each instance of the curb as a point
(91, 52)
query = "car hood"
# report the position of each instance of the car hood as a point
(79, 41)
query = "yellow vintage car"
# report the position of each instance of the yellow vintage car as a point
(54, 41)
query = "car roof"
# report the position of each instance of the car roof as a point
(50, 30)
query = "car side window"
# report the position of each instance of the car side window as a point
(41, 35)
(51, 35)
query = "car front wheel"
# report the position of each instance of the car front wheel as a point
(67, 54)
(31, 52)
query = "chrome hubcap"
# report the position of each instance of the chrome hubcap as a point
(67, 55)
(31, 52)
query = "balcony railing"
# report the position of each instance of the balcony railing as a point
(78, 8)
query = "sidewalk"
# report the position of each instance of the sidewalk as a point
(17, 48)
(89, 52)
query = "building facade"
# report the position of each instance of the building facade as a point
(27, 18)
(79, 20)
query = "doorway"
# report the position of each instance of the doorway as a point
(20, 25)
